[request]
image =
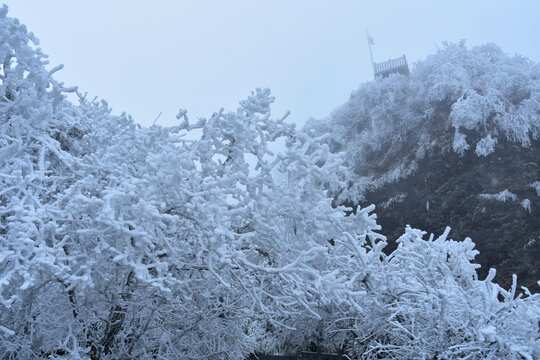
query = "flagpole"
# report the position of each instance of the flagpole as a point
(370, 52)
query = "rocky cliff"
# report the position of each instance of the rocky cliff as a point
(492, 200)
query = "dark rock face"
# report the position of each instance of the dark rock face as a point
(445, 191)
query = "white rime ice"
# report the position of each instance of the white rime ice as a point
(506, 195)
(124, 242)
(501, 196)
(536, 186)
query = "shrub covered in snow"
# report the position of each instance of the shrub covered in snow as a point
(506, 195)
(536, 186)
(434, 306)
(502, 196)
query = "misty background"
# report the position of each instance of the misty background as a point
(145, 58)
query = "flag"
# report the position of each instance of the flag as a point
(370, 40)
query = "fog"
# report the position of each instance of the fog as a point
(202, 55)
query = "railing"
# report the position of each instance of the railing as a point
(391, 66)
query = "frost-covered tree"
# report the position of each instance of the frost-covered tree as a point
(121, 241)
(431, 304)
(36, 135)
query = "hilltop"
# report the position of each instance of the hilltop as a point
(455, 144)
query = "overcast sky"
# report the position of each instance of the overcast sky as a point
(147, 57)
